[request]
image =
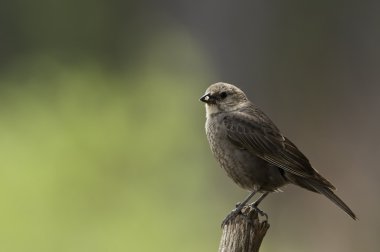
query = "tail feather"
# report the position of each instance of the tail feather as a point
(333, 197)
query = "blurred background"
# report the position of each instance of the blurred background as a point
(102, 135)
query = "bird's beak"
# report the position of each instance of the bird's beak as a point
(207, 98)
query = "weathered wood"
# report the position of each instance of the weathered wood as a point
(244, 233)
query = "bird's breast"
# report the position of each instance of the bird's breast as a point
(244, 168)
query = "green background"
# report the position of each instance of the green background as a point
(102, 144)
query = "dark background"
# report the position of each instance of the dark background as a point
(102, 134)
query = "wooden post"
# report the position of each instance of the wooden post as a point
(244, 233)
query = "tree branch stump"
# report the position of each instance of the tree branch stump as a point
(244, 233)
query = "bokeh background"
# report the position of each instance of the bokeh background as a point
(102, 135)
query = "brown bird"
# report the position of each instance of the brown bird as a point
(253, 152)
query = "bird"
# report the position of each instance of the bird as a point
(253, 151)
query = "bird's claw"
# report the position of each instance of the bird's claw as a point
(259, 211)
(231, 216)
(237, 211)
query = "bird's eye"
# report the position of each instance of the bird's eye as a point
(223, 95)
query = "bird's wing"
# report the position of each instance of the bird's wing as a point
(263, 139)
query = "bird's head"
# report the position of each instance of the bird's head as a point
(223, 97)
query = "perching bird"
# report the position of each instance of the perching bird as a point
(252, 150)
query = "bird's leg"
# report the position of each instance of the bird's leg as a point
(255, 205)
(237, 210)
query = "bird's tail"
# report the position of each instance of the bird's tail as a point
(332, 196)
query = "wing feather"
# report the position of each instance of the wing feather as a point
(263, 139)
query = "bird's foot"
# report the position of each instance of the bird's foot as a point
(231, 215)
(258, 210)
(238, 207)
(234, 213)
